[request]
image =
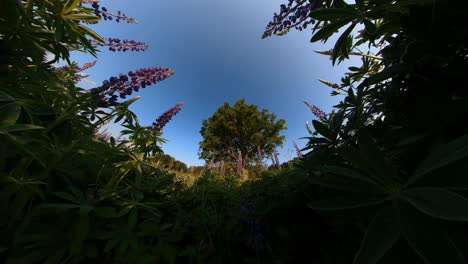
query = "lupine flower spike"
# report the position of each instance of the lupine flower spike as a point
(309, 129)
(125, 84)
(315, 110)
(86, 66)
(325, 52)
(298, 151)
(163, 119)
(330, 84)
(106, 15)
(293, 15)
(116, 44)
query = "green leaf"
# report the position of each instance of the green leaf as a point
(83, 17)
(69, 6)
(427, 238)
(9, 113)
(19, 127)
(383, 75)
(438, 202)
(328, 30)
(335, 13)
(323, 130)
(353, 176)
(341, 45)
(451, 177)
(91, 33)
(382, 233)
(361, 162)
(345, 202)
(376, 158)
(442, 156)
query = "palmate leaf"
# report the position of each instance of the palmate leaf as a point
(328, 30)
(9, 113)
(438, 202)
(375, 156)
(442, 156)
(382, 233)
(323, 130)
(428, 238)
(361, 162)
(451, 177)
(344, 178)
(342, 44)
(346, 202)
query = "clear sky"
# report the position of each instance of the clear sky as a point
(216, 50)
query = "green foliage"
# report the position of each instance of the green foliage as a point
(168, 162)
(241, 127)
(395, 147)
(384, 180)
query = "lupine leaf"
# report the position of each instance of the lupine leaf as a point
(381, 234)
(323, 130)
(442, 156)
(9, 113)
(438, 202)
(427, 237)
(328, 30)
(341, 45)
(345, 202)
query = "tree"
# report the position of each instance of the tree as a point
(243, 128)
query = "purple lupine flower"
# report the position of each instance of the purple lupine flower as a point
(239, 163)
(116, 44)
(163, 119)
(106, 15)
(293, 15)
(298, 151)
(86, 66)
(315, 110)
(125, 84)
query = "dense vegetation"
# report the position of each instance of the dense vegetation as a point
(240, 135)
(382, 180)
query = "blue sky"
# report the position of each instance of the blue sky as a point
(216, 50)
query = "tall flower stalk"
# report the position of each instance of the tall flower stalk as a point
(163, 119)
(315, 110)
(298, 151)
(107, 15)
(126, 84)
(293, 15)
(116, 44)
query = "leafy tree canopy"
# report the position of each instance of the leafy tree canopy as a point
(241, 127)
